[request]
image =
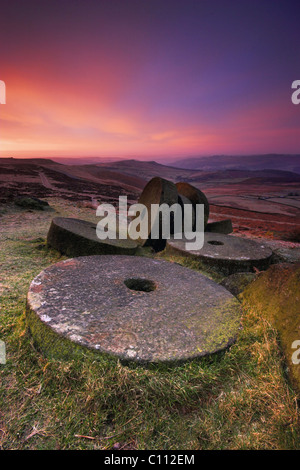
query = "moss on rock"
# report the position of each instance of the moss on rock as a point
(275, 295)
(237, 282)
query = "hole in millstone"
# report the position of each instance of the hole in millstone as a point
(139, 284)
(215, 242)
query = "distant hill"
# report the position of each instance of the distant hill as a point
(257, 200)
(134, 174)
(147, 170)
(45, 178)
(242, 162)
(245, 176)
(85, 160)
(22, 161)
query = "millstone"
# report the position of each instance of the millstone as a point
(183, 202)
(230, 254)
(157, 191)
(195, 196)
(130, 307)
(75, 237)
(221, 226)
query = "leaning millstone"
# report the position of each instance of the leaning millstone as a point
(158, 191)
(131, 308)
(195, 196)
(184, 202)
(76, 237)
(227, 253)
(221, 226)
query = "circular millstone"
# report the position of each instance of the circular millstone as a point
(157, 191)
(75, 237)
(195, 196)
(230, 254)
(133, 308)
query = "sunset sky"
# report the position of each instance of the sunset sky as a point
(149, 78)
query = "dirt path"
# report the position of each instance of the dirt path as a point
(46, 182)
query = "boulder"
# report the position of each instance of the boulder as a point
(237, 282)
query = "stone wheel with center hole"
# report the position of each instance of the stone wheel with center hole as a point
(132, 308)
(229, 253)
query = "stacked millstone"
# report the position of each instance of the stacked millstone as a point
(76, 237)
(229, 254)
(131, 308)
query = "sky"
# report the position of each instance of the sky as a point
(148, 78)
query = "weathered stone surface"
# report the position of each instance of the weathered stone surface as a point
(157, 191)
(275, 296)
(287, 255)
(130, 307)
(195, 196)
(230, 254)
(237, 282)
(221, 226)
(75, 237)
(284, 252)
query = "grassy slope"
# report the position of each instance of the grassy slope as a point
(235, 400)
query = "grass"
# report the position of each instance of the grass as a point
(238, 399)
(293, 236)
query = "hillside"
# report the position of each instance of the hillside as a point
(246, 162)
(258, 202)
(46, 178)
